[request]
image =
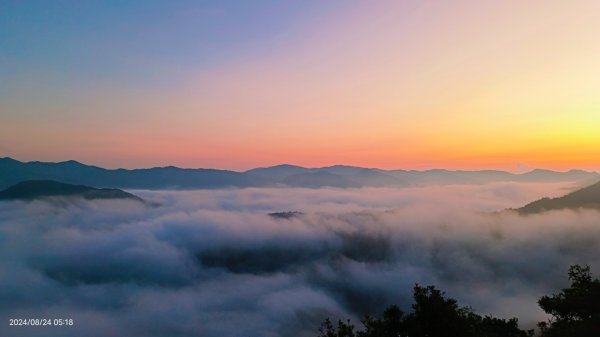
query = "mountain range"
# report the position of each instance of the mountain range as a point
(72, 172)
(38, 189)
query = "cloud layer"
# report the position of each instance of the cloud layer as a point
(214, 263)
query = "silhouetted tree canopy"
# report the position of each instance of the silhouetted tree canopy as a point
(433, 315)
(575, 310)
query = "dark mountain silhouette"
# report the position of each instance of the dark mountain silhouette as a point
(73, 172)
(547, 175)
(366, 176)
(441, 176)
(587, 197)
(356, 176)
(277, 173)
(319, 179)
(36, 189)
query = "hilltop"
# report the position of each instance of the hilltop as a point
(587, 197)
(36, 189)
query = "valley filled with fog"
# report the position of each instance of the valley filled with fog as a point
(225, 263)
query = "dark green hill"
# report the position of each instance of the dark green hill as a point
(36, 189)
(587, 197)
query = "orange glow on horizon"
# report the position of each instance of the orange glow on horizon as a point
(397, 85)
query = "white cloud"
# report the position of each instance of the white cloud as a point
(213, 263)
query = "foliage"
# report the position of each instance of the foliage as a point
(433, 315)
(575, 310)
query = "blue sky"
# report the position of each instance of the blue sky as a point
(239, 84)
(139, 41)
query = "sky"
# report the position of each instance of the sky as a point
(235, 85)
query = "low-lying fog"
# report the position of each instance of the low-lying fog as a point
(214, 263)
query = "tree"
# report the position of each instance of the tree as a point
(575, 310)
(343, 329)
(392, 324)
(433, 315)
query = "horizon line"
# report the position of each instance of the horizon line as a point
(532, 169)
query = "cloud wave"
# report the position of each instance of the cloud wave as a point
(214, 263)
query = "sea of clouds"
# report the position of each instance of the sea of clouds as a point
(214, 263)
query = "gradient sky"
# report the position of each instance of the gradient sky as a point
(240, 84)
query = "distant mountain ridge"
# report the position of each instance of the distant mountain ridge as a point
(73, 172)
(13, 171)
(587, 197)
(36, 189)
